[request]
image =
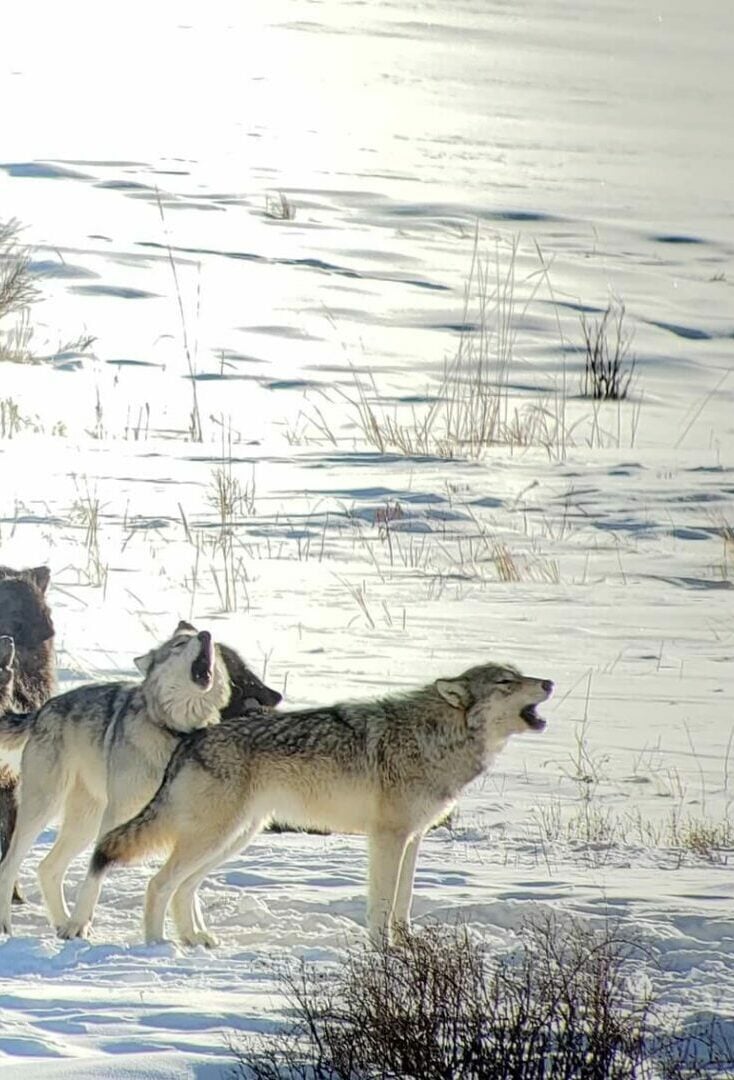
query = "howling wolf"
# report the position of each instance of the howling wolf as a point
(387, 768)
(98, 753)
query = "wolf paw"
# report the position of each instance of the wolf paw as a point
(200, 937)
(73, 929)
(5, 927)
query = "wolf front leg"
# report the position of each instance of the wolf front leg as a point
(40, 800)
(404, 892)
(386, 851)
(119, 808)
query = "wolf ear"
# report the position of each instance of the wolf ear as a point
(40, 576)
(454, 693)
(183, 625)
(143, 663)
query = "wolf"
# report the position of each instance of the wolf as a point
(8, 778)
(98, 753)
(388, 769)
(246, 690)
(26, 619)
(25, 616)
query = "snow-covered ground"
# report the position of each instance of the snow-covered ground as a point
(597, 145)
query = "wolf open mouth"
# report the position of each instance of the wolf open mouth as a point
(531, 718)
(202, 669)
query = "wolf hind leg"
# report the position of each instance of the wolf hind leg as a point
(8, 815)
(185, 904)
(82, 814)
(386, 850)
(191, 849)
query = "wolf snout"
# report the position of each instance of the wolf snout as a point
(202, 667)
(548, 686)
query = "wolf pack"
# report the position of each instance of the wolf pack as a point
(191, 761)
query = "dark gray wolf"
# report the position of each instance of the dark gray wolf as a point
(388, 769)
(8, 778)
(25, 617)
(98, 753)
(246, 689)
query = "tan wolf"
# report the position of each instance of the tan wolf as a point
(388, 768)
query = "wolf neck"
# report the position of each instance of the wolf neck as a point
(181, 709)
(34, 679)
(179, 713)
(451, 737)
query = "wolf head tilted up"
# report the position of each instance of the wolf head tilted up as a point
(185, 680)
(247, 690)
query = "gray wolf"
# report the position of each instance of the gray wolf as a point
(388, 768)
(8, 778)
(24, 617)
(98, 753)
(246, 689)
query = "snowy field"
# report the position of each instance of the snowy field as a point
(593, 153)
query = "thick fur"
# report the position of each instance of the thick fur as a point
(97, 754)
(26, 618)
(246, 689)
(388, 769)
(8, 777)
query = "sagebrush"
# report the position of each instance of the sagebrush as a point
(564, 1005)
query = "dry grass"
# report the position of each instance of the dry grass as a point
(85, 514)
(472, 407)
(18, 289)
(196, 433)
(608, 363)
(279, 207)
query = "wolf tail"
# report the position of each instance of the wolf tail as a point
(132, 841)
(15, 729)
(145, 834)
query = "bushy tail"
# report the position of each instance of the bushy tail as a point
(15, 729)
(134, 839)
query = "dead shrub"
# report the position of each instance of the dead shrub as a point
(17, 285)
(438, 1006)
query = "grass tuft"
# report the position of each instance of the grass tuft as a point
(279, 207)
(608, 363)
(472, 407)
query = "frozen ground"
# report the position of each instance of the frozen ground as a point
(392, 129)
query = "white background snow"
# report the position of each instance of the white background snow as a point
(600, 133)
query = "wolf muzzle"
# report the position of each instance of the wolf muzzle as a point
(202, 669)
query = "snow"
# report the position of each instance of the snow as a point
(393, 131)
